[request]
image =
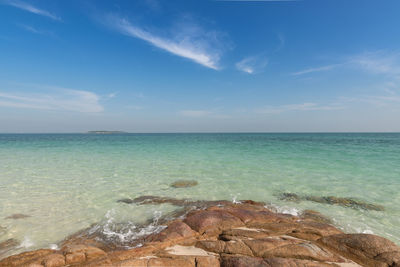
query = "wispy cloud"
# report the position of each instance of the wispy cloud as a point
(35, 30)
(252, 64)
(195, 44)
(53, 98)
(318, 69)
(30, 8)
(298, 107)
(378, 62)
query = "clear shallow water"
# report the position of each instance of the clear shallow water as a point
(66, 182)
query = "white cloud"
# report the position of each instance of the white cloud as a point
(297, 107)
(30, 8)
(252, 64)
(53, 99)
(194, 44)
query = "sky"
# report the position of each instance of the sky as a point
(199, 66)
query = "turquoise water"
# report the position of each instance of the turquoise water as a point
(67, 182)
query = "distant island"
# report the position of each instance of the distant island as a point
(105, 132)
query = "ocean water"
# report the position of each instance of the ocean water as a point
(68, 182)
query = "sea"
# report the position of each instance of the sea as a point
(54, 185)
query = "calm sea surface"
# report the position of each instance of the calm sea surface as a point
(67, 182)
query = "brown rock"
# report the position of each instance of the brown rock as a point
(216, 246)
(208, 261)
(260, 247)
(244, 233)
(171, 262)
(75, 257)
(313, 230)
(175, 230)
(315, 216)
(237, 247)
(305, 251)
(184, 183)
(279, 262)
(242, 261)
(370, 250)
(54, 260)
(26, 258)
(211, 222)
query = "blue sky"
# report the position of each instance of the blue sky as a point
(199, 66)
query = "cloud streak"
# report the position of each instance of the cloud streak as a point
(318, 69)
(297, 107)
(54, 99)
(195, 46)
(30, 8)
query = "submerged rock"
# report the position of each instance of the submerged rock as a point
(184, 183)
(7, 246)
(290, 197)
(17, 216)
(332, 200)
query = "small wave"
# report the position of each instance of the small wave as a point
(285, 209)
(125, 234)
(26, 243)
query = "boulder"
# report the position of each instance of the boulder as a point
(365, 249)
(212, 222)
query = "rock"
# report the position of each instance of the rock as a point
(365, 249)
(278, 262)
(54, 260)
(242, 261)
(75, 257)
(212, 222)
(345, 202)
(7, 246)
(290, 197)
(222, 233)
(184, 183)
(17, 216)
(171, 262)
(77, 250)
(176, 230)
(215, 246)
(26, 258)
(209, 261)
(315, 216)
(305, 251)
(332, 200)
(313, 230)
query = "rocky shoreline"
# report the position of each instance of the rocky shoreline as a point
(222, 233)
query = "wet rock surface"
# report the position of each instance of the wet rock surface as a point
(332, 200)
(221, 233)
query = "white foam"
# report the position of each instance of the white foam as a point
(127, 232)
(26, 243)
(286, 210)
(54, 246)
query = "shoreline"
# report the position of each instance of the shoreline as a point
(221, 233)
